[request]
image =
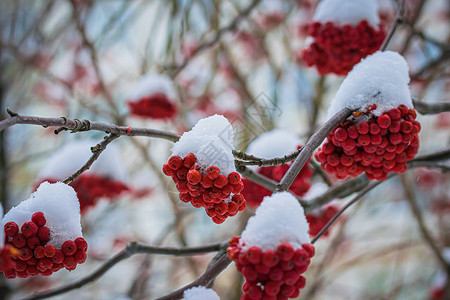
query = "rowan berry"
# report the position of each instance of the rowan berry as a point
(38, 219)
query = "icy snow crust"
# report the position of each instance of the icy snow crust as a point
(60, 206)
(351, 12)
(381, 79)
(74, 155)
(279, 219)
(153, 83)
(211, 141)
(274, 143)
(200, 293)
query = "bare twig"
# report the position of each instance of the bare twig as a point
(96, 151)
(398, 20)
(211, 273)
(130, 250)
(431, 108)
(314, 142)
(76, 125)
(269, 162)
(415, 209)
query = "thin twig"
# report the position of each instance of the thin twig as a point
(130, 250)
(398, 20)
(270, 162)
(415, 209)
(431, 108)
(211, 273)
(314, 142)
(96, 151)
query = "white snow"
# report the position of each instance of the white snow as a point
(381, 79)
(211, 141)
(60, 206)
(153, 83)
(274, 143)
(72, 156)
(200, 293)
(279, 219)
(350, 12)
(317, 189)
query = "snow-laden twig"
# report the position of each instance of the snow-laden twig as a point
(130, 250)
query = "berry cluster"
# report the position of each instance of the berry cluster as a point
(255, 193)
(318, 220)
(36, 255)
(90, 188)
(209, 189)
(156, 106)
(378, 146)
(271, 274)
(337, 49)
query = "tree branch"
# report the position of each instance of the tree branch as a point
(96, 151)
(398, 20)
(314, 142)
(130, 250)
(431, 108)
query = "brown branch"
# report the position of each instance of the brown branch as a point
(431, 108)
(130, 250)
(398, 20)
(96, 151)
(209, 275)
(76, 125)
(261, 162)
(415, 209)
(314, 142)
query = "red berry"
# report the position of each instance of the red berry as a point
(25, 253)
(167, 170)
(374, 128)
(58, 258)
(363, 128)
(254, 292)
(49, 251)
(33, 241)
(38, 219)
(29, 228)
(340, 134)
(175, 162)
(220, 181)
(234, 178)
(406, 127)
(290, 277)
(285, 251)
(80, 257)
(254, 255)
(395, 138)
(194, 177)
(364, 139)
(395, 113)
(69, 262)
(81, 244)
(270, 258)
(19, 240)
(352, 132)
(11, 229)
(39, 252)
(221, 208)
(384, 121)
(69, 248)
(213, 172)
(45, 263)
(206, 182)
(309, 248)
(43, 233)
(32, 271)
(272, 288)
(189, 160)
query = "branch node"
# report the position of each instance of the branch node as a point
(11, 113)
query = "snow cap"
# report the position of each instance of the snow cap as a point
(279, 219)
(350, 12)
(72, 156)
(381, 78)
(200, 293)
(211, 141)
(274, 143)
(59, 204)
(153, 83)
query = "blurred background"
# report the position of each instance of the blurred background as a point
(85, 59)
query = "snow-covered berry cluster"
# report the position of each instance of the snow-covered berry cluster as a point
(271, 144)
(36, 254)
(106, 179)
(382, 134)
(319, 218)
(271, 274)
(209, 189)
(377, 146)
(154, 98)
(202, 167)
(274, 249)
(342, 33)
(45, 232)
